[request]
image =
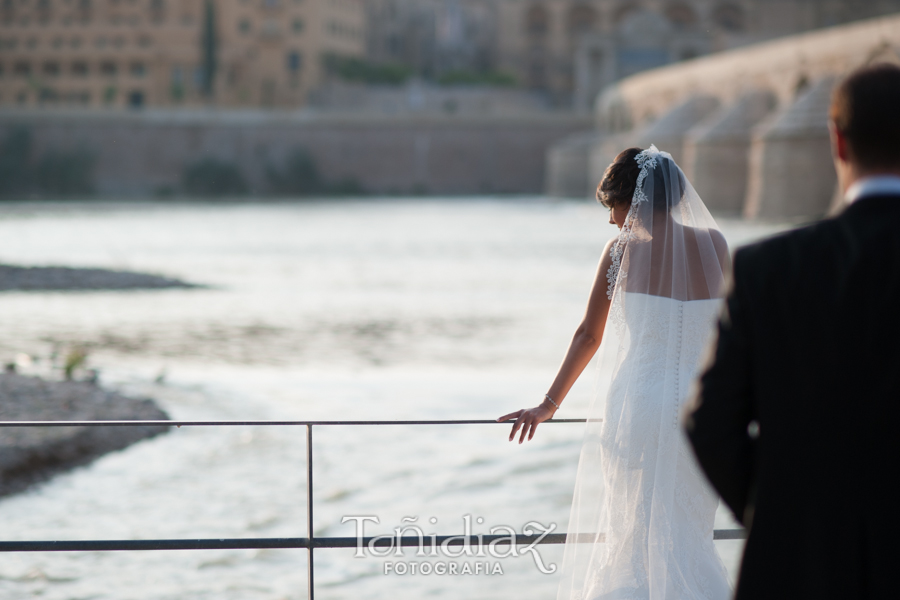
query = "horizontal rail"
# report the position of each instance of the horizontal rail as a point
(164, 423)
(303, 543)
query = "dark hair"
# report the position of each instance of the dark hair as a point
(616, 189)
(865, 108)
(619, 180)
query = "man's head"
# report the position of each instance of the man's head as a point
(865, 123)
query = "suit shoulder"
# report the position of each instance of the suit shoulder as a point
(782, 244)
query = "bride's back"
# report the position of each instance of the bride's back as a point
(679, 262)
(669, 245)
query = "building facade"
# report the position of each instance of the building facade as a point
(433, 37)
(574, 48)
(115, 53)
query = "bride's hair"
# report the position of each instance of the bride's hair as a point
(616, 189)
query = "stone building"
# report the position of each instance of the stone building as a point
(574, 48)
(749, 126)
(433, 36)
(227, 53)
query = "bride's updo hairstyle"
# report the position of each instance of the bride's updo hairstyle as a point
(616, 189)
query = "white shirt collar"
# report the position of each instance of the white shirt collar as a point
(880, 185)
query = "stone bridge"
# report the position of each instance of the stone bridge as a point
(749, 126)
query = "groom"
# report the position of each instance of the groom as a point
(797, 418)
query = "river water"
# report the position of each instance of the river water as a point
(381, 309)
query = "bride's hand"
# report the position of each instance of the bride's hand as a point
(528, 420)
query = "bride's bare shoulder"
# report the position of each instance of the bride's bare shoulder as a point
(718, 240)
(606, 257)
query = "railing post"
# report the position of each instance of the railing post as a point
(309, 508)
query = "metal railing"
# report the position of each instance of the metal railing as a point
(311, 542)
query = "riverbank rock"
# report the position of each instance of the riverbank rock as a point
(69, 278)
(32, 454)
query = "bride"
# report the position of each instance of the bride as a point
(641, 523)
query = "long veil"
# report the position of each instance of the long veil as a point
(642, 513)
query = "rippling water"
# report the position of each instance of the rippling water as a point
(367, 310)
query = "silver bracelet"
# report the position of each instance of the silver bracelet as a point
(547, 396)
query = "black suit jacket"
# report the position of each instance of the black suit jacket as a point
(809, 349)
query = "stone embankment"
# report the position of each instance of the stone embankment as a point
(68, 278)
(30, 454)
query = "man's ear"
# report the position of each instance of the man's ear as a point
(838, 143)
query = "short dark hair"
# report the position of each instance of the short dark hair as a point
(619, 180)
(865, 108)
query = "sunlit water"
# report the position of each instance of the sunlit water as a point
(419, 309)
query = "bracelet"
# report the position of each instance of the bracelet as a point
(547, 397)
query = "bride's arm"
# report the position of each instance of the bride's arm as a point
(582, 348)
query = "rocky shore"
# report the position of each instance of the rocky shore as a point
(30, 454)
(68, 278)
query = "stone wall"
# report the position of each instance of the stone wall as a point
(142, 152)
(764, 150)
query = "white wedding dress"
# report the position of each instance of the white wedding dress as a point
(660, 509)
(641, 524)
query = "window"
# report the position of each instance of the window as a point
(75, 42)
(537, 20)
(51, 68)
(108, 68)
(582, 19)
(136, 99)
(298, 25)
(729, 17)
(80, 68)
(48, 95)
(244, 26)
(22, 69)
(138, 69)
(294, 61)
(176, 88)
(623, 11)
(681, 15)
(1, 69)
(157, 11)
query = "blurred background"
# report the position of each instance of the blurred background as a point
(163, 98)
(329, 209)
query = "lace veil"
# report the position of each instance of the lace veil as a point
(641, 510)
